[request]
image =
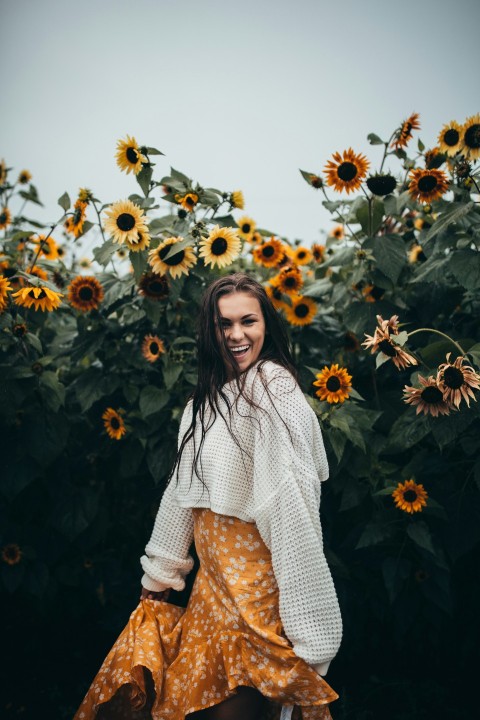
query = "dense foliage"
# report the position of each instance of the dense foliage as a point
(97, 361)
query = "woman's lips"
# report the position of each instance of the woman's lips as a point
(239, 354)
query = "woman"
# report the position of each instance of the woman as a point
(262, 623)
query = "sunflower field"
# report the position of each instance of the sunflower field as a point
(97, 353)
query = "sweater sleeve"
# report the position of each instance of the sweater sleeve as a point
(289, 464)
(166, 561)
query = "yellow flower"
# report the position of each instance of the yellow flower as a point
(404, 132)
(126, 223)
(427, 185)
(416, 254)
(85, 293)
(337, 232)
(268, 253)
(237, 200)
(24, 177)
(48, 247)
(5, 288)
(187, 201)
(450, 138)
(221, 247)
(347, 172)
(470, 146)
(289, 280)
(154, 286)
(3, 172)
(247, 227)
(302, 255)
(410, 496)
(318, 252)
(152, 348)
(41, 298)
(74, 223)
(38, 272)
(129, 157)
(333, 384)
(114, 424)
(177, 263)
(85, 195)
(301, 311)
(276, 297)
(5, 218)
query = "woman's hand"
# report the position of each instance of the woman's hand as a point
(151, 595)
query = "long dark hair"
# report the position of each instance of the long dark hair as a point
(216, 365)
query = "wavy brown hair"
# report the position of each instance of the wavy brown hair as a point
(216, 364)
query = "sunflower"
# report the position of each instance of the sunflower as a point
(301, 311)
(410, 496)
(276, 297)
(302, 255)
(315, 181)
(333, 384)
(381, 341)
(237, 200)
(373, 293)
(416, 254)
(318, 252)
(114, 425)
(381, 185)
(152, 348)
(404, 133)
(129, 157)
(3, 172)
(256, 239)
(38, 272)
(434, 159)
(347, 172)
(126, 223)
(5, 288)
(11, 554)
(85, 293)
(19, 330)
(456, 381)
(246, 228)
(122, 253)
(85, 195)
(428, 398)
(5, 218)
(221, 247)
(61, 251)
(337, 232)
(421, 223)
(268, 253)
(177, 264)
(187, 201)
(24, 177)
(42, 298)
(470, 146)
(86, 263)
(74, 223)
(289, 280)
(48, 248)
(427, 185)
(154, 286)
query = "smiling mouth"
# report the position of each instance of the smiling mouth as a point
(240, 351)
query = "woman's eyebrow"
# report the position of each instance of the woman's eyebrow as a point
(244, 317)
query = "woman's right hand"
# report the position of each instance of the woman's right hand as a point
(151, 595)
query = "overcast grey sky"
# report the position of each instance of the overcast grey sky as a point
(238, 95)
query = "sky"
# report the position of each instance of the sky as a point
(238, 95)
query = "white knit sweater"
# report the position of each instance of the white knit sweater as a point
(273, 479)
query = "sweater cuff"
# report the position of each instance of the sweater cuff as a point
(322, 668)
(150, 584)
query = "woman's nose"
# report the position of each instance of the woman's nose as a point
(236, 333)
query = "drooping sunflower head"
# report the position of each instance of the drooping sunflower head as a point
(85, 293)
(450, 138)
(237, 200)
(5, 288)
(410, 496)
(404, 133)
(129, 157)
(268, 253)
(74, 223)
(153, 286)
(24, 177)
(125, 221)
(163, 259)
(221, 247)
(427, 185)
(47, 246)
(337, 232)
(381, 184)
(457, 381)
(289, 280)
(40, 298)
(346, 172)
(302, 310)
(318, 252)
(302, 255)
(85, 195)
(5, 218)
(152, 348)
(246, 228)
(428, 399)
(114, 423)
(470, 143)
(187, 201)
(333, 384)
(434, 159)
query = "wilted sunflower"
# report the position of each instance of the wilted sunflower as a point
(19, 330)
(318, 252)
(129, 157)
(153, 286)
(337, 232)
(125, 223)
(410, 496)
(187, 201)
(289, 280)
(333, 384)
(11, 554)
(381, 341)
(5, 218)
(276, 297)
(428, 399)
(42, 298)
(246, 228)
(152, 348)
(416, 254)
(301, 311)
(404, 133)
(427, 185)
(85, 293)
(221, 247)
(301, 255)
(456, 381)
(74, 223)
(24, 177)
(114, 424)
(237, 199)
(269, 253)
(470, 146)
(48, 247)
(177, 264)
(381, 185)
(346, 172)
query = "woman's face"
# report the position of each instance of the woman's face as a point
(243, 325)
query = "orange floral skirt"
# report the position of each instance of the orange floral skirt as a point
(170, 661)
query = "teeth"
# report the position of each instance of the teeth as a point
(240, 349)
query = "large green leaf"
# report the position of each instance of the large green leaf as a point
(75, 510)
(419, 532)
(465, 266)
(453, 214)
(152, 400)
(103, 253)
(390, 256)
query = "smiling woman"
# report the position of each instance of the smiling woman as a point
(243, 327)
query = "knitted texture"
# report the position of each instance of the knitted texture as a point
(272, 476)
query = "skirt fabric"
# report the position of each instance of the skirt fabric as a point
(170, 661)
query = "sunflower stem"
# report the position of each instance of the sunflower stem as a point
(40, 248)
(438, 332)
(99, 221)
(341, 219)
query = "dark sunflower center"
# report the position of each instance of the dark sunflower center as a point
(246, 227)
(85, 293)
(77, 216)
(333, 384)
(154, 349)
(19, 330)
(301, 254)
(268, 251)
(132, 155)
(125, 222)
(453, 378)
(451, 137)
(376, 293)
(387, 348)
(427, 183)
(290, 281)
(40, 296)
(472, 137)
(175, 259)
(432, 395)
(3, 218)
(277, 294)
(409, 496)
(190, 201)
(114, 422)
(219, 246)
(347, 171)
(301, 310)
(156, 287)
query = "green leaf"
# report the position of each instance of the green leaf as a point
(34, 341)
(375, 140)
(318, 288)
(395, 572)
(338, 442)
(12, 576)
(89, 387)
(363, 216)
(407, 431)
(171, 373)
(75, 511)
(152, 400)
(53, 392)
(390, 205)
(177, 247)
(421, 146)
(159, 224)
(474, 352)
(353, 493)
(64, 201)
(390, 256)
(465, 265)
(419, 532)
(103, 253)
(139, 262)
(224, 221)
(144, 177)
(153, 151)
(373, 534)
(450, 216)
